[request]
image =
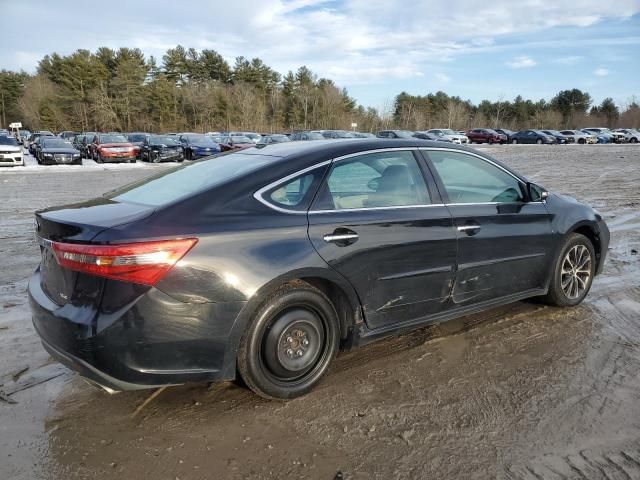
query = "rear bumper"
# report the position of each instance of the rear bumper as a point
(153, 341)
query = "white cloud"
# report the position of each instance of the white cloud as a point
(353, 41)
(522, 61)
(570, 60)
(442, 78)
(601, 72)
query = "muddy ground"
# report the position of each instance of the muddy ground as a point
(524, 392)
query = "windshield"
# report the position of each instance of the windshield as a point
(252, 135)
(189, 179)
(55, 143)
(8, 141)
(163, 140)
(240, 139)
(204, 140)
(345, 134)
(404, 134)
(280, 138)
(448, 131)
(113, 139)
(314, 136)
(137, 137)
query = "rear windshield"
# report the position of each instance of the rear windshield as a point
(189, 179)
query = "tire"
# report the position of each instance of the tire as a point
(581, 141)
(574, 248)
(272, 360)
(514, 141)
(539, 141)
(633, 140)
(187, 154)
(154, 158)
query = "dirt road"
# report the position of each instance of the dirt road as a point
(523, 392)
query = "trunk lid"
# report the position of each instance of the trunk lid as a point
(78, 223)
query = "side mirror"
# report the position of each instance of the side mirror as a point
(536, 193)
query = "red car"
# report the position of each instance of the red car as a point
(111, 147)
(235, 142)
(485, 135)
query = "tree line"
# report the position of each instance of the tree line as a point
(191, 90)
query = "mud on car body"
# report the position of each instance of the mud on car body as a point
(263, 263)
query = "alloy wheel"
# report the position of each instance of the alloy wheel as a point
(576, 272)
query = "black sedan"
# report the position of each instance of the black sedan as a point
(532, 136)
(161, 148)
(55, 150)
(560, 137)
(264, 262)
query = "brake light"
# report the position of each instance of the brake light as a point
(145, 262)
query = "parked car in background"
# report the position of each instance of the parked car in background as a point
(56, 150)
(261, 264)
(614, 137)
(253, 136)
(161, 148)
(67, 134)
(363, 135)
(448, 134)
(486, 135)
(10, 152)
(334, 134)
(505, 132)
(34, 137)
(82, 142)
(136, 138)
(235, 142)
(395, 134)
(23, 135)
(561, 138)
(303, 136)
(273, 138)
(631, 135)
(533, 136)
(580, 137)
(109, 147)
(601, 137)
(431, 137)
(197, 145)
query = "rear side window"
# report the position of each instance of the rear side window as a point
(186, 180)
(384, 179)
(295, 193)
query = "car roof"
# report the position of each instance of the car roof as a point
(340, 147)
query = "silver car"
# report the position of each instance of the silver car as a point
(448, 134)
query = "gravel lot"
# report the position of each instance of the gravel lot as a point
(524, 391)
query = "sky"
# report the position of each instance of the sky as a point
(375, 48)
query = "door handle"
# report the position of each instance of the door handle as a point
(341, 237)
(469, 229)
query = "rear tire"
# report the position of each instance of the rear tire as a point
(514, 141)
(290, 343)
(573, 272)
(581, 141)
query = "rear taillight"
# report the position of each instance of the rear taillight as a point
(145, 262)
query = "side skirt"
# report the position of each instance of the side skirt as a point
(364, 335)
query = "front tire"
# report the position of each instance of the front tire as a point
(539, 141)
(573, 272)
(514, 141)
(290, 343)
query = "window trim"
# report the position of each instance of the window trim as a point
(472, 154)
(259, 194)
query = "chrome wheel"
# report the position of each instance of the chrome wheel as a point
(576, 272)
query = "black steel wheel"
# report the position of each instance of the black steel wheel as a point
(290, 343)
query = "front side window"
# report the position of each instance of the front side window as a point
(469, 179)
(383, 179)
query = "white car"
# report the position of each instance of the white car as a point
(448, 134)
(254, 137)
(10, 152)
(631, 135)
